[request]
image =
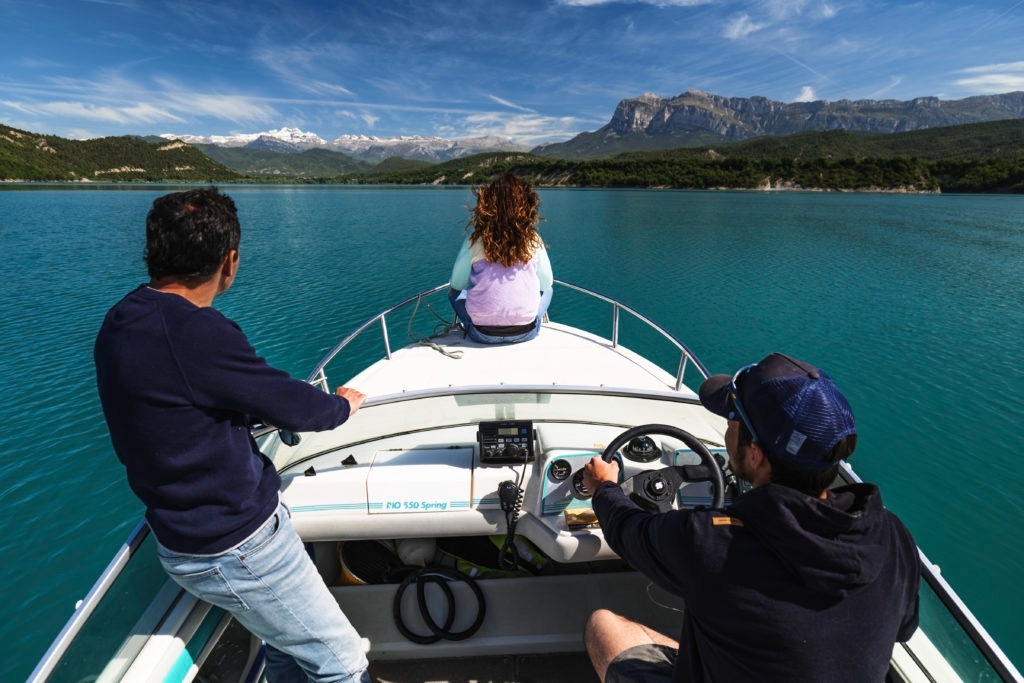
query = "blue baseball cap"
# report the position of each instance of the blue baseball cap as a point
(794, 410)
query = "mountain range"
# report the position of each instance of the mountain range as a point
(362, 147)
(651, 122)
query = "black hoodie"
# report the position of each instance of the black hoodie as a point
(782, 586)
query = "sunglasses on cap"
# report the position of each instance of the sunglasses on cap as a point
(737, 405)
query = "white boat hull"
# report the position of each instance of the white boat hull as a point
(416, 462)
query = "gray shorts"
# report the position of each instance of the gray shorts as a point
(650, 663)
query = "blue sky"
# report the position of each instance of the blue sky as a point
(534, 71)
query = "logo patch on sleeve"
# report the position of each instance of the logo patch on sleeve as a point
(724, 520)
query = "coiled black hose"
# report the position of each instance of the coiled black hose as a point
(442, 576)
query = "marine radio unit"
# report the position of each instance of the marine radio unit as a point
(506, 442)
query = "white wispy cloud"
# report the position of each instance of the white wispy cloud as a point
(303, 67)
(138, 113)
(894, 82)
(802, 65)
(655, 3)
(330, 89)
(125, 102)
(117, 3)
(527, 129)
(993, 78)
(226, 106)
(369, 119)
(783, 9)
(366, 118)
(740, 26)
(510, 105)
(787, 18)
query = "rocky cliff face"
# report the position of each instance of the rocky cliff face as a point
(695, 119)
(737, 118)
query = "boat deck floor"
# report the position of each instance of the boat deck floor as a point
(559, 667)
(534, 668)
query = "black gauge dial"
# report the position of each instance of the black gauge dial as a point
(560, 470)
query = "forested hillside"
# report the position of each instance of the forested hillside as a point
(312, 163)
(984, 157)
(33, 157)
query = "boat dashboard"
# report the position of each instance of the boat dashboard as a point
(477, 479)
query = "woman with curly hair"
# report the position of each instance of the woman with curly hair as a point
(501, 281)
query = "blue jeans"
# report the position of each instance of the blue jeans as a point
(459, 306)
(271, 586)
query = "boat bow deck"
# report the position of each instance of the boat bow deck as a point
(559, 356)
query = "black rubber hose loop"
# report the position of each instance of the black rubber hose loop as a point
(397, 611)
(421, 600)
(441, 576)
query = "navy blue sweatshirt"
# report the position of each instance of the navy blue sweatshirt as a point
(782, 587)
(180, 386)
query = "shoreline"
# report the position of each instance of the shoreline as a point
(772, 187)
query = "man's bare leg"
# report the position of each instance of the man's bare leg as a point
(607, 635)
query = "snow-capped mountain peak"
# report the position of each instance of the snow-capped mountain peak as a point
(291, 136)
(365, 147)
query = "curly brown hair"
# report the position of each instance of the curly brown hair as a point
(505, 218)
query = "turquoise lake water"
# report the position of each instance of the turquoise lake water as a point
(914, 304)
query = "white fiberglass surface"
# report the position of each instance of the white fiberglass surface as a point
(411, 417)
(560, 355)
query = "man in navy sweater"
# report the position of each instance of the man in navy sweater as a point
(180, 386)
(795, 581)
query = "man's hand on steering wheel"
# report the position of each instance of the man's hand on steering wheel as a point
(599, 470)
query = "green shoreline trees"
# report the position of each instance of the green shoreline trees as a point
(985, 157)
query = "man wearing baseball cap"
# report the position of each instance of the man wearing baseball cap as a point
(795, 581)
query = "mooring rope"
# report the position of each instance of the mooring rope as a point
(440, 329)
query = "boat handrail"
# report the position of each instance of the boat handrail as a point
(319, 378)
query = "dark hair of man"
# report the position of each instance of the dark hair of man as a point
(189, 233)
(810, 482)
(505, 218)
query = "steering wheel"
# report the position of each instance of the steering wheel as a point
(655, 489)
